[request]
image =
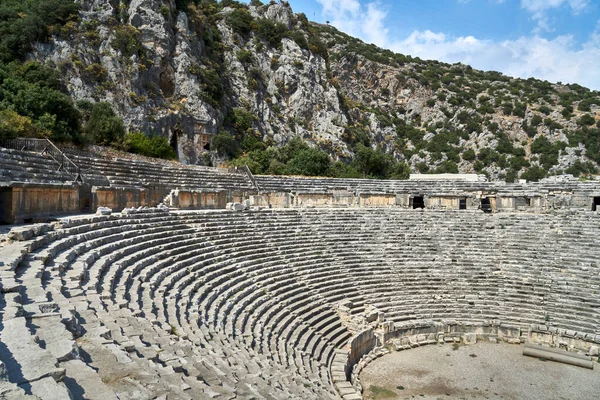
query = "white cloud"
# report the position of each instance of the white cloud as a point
(365, 22)
(538, 6)
(539, 10)
(558, 59)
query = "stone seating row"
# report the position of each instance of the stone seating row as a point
(219, 303)
(271, 183)
(31, 167)
(99, 247)
(132, 173)
(22, 166)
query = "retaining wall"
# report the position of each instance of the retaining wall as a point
(22, 203)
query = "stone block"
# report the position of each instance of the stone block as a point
(103, 211)
(470, 338)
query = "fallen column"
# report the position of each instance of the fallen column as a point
(535, 350)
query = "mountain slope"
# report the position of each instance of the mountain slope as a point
(249, 79)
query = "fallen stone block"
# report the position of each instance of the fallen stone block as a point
(103, 211)
(49, 389)
(237, 207)
(21, 233)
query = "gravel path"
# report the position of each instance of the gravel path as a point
(482, 371)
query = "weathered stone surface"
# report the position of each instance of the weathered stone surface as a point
(48, 388)
(25, 360)
(103, 211)
(57, 340)
(88, 383)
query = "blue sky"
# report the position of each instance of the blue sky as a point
(557, 40)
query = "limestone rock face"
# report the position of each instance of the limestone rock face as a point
(158, 88)
(181, 73)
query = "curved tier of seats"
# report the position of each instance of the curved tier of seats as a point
(33, 167)
(270, 183)
(26, 166)
(222, 304)
(135, 173)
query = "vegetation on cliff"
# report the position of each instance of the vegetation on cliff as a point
(277, 92)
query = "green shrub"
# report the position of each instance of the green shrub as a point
(240, 21)
(126, 41)
(23, 23)
(584, 105)
(578, 168)
(536, 120)
(552, 125)
(104, 126)
(356, 134)
(271, 32)
(541, 145)
(154, 146)
(33, 91)
(586, 120)
(544, 110)
(244, 56)
(13, 125)
(97, 72)
(298, 37)
(242, 120)
(308, 162)
(224, 144)
(468, 155)
(519, 110)
(372, 163)
(212, 87)
(340, 169)
(534, 174)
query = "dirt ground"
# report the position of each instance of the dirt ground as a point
(481, 371)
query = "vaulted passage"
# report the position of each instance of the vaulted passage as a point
(522, 202)
(418, 202)
(486, 205)
(5, 205)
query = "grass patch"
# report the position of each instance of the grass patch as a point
(455, 346)
(379, 392)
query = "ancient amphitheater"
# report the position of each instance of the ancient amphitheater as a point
(290, 292)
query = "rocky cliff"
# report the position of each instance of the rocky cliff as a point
(190, 71)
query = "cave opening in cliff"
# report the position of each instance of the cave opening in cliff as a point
(596, 204)
(173, 141)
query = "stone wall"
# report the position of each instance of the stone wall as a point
(120, 198)
(420, 333)
(358, 346)
(377, 200)
(271, 199)
(21, 203)
(191, 199)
